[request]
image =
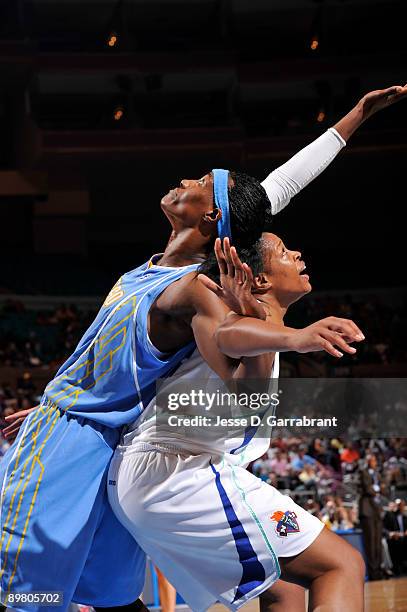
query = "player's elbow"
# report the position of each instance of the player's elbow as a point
(225, 337)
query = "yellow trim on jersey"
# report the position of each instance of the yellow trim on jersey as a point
(34, 436)
(35, 460)
(73, 391)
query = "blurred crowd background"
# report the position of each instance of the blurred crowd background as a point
(353, 486)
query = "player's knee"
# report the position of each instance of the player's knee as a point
(282, 592)
(353, 564)
(269, 597)
(338, 555)
(359, 565)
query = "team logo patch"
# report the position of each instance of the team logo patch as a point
(286, 522)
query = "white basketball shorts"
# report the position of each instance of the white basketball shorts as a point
(215, 530)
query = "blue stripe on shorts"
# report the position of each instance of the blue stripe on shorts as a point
(253, 571)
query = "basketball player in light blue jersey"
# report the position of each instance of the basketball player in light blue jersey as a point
(56, 525)
(58, 531)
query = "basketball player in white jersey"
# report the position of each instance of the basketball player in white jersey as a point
(216, 531)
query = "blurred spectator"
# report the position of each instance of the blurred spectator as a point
(395, 529)
(308, 476)
(25, 383)
(301, 459)
(350, 454)
(370, 516)
(281, 467)
(313, 507)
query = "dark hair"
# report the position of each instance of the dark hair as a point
(249, 255)
(248, 203)
(249, 212)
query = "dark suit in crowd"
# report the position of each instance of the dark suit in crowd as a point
(371, 522)
(395, 529)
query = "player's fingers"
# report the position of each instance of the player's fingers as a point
(337, 340)
(383, 93)
(12, 435)
(239, 272)
(239, 276)
(394, 93)
(236, 259)
(348, 339)
(11, 417)
(12, 428)
(248, 284)
(329, 348)
(359, 335)
(17, 415)
(228, 257)
(346, 327)
(220, 257)
(392, 89)
(351, 330)
(210, 284)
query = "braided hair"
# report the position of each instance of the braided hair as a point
(250, 211)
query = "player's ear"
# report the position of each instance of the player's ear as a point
(262, 283)
(213, 216)
(208, 225)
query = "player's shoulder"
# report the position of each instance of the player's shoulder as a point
(186, 293)
(178, 294)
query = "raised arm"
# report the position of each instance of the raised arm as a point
(289, 179)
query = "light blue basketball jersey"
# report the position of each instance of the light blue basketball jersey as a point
(111, 375)
(58, 532)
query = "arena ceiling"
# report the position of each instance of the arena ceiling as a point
(245, 69)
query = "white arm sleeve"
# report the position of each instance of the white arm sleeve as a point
(288, 180)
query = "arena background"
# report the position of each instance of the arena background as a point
(105, 105)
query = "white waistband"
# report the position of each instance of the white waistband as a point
(145, 447)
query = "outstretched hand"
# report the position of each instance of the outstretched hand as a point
(236, 281)
(376, 100)
(330, 335)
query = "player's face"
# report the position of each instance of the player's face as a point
(190, 201)
(285, 269)
(192, 204)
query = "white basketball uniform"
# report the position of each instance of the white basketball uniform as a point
(214, 529)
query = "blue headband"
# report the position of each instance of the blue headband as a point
(220, 190)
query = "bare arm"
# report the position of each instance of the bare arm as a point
(241, 336)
